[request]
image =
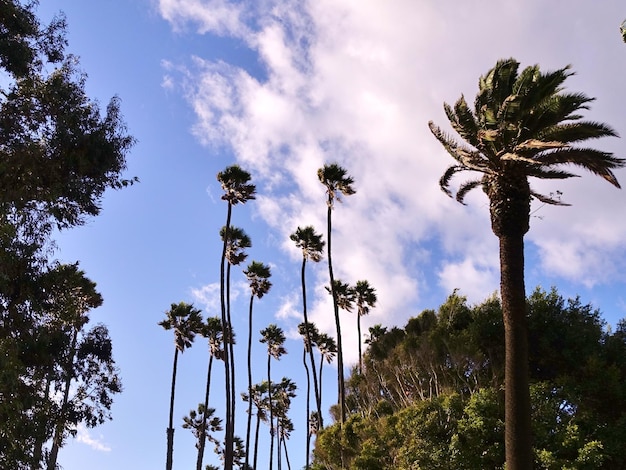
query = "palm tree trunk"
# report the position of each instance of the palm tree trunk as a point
(232, 360)
(170, 429)
(518, 433)
(341, 390)
(228, 442)
(308, 411)
(202, 439)
(256, 437)
(249, 423)
(318, 399)
(287, 454)
(269, 394)
(358, 329)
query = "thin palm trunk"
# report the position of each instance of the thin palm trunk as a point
(202, 440)
(308, 410)
(269, 394)
(226, 331)
(256, 437)
(287, 454)
(60, 425)
(249, 423)
(518, 446)
(340, 377)
(170, 429)
(232, 359)
(318, 399)
(358, 330)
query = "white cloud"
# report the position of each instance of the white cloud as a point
(95, 443)
(356, 83)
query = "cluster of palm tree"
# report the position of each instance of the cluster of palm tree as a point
(269, 400)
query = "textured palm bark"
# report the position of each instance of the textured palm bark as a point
(518, 433)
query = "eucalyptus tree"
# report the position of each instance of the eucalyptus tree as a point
(523, 125)
(312, 246)
(336, 180)
(186, 321)
(274, 337)
(211, 329)
(365, 298)
(258, 275)
(237, 189)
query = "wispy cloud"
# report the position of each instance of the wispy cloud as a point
(357, 83)
(97, 443)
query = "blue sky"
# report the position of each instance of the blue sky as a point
(281, 87)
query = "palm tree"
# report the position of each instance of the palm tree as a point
(622, 30)
(237, 190)
(212, 331)
(337, 181)
(309, 334)
(185, 320)
(312, 248)
(328, 350)
(258, 276)
(365, 298)
(274, 337)
(259, 397)
(523, 125)
(202, 423)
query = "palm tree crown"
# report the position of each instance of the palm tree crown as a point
(258, 276)
(310, 242)
(336, 181)
(523, 125)
(186, 321)
(236, 241)
(274, 337)
(236, 186)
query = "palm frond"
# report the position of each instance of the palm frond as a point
(595, 161)
(466, 188)
(444, 181)
(463, 121)
(543, 173)
(548, 200)
(578, 131)
(466, 156)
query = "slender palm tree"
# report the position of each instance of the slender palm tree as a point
(236, 242)
(523, 125)
(237, 189)
(202, 424)
(274, 338)
(309, 334)
(258, 275)
(185, 320)
(336, 181)
(365, 298)
(212, 331)
(259, 398)
(328, 350)
(312, 248)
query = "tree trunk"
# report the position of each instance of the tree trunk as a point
(308, 411)
(249, 423)
(318, 398)
(341, 390)
(231, 346)
(202, 440)
(269, 394)
(358, 330)
(170, 429)
(518, 433)
(228, 442)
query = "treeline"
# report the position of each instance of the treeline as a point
(430, 394)
(58, 155)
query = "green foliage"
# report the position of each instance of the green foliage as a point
(431, 395)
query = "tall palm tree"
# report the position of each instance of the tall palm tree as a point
(336, 181)
(258, 275)
(523, 125)
(259, 398)
(185, 320)
(202, 424)
(274, 338)
(283, 392)
(212, 331)
(309, 334)
(365, 298)
(312, 248)
(328, 350)
(237, 189)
